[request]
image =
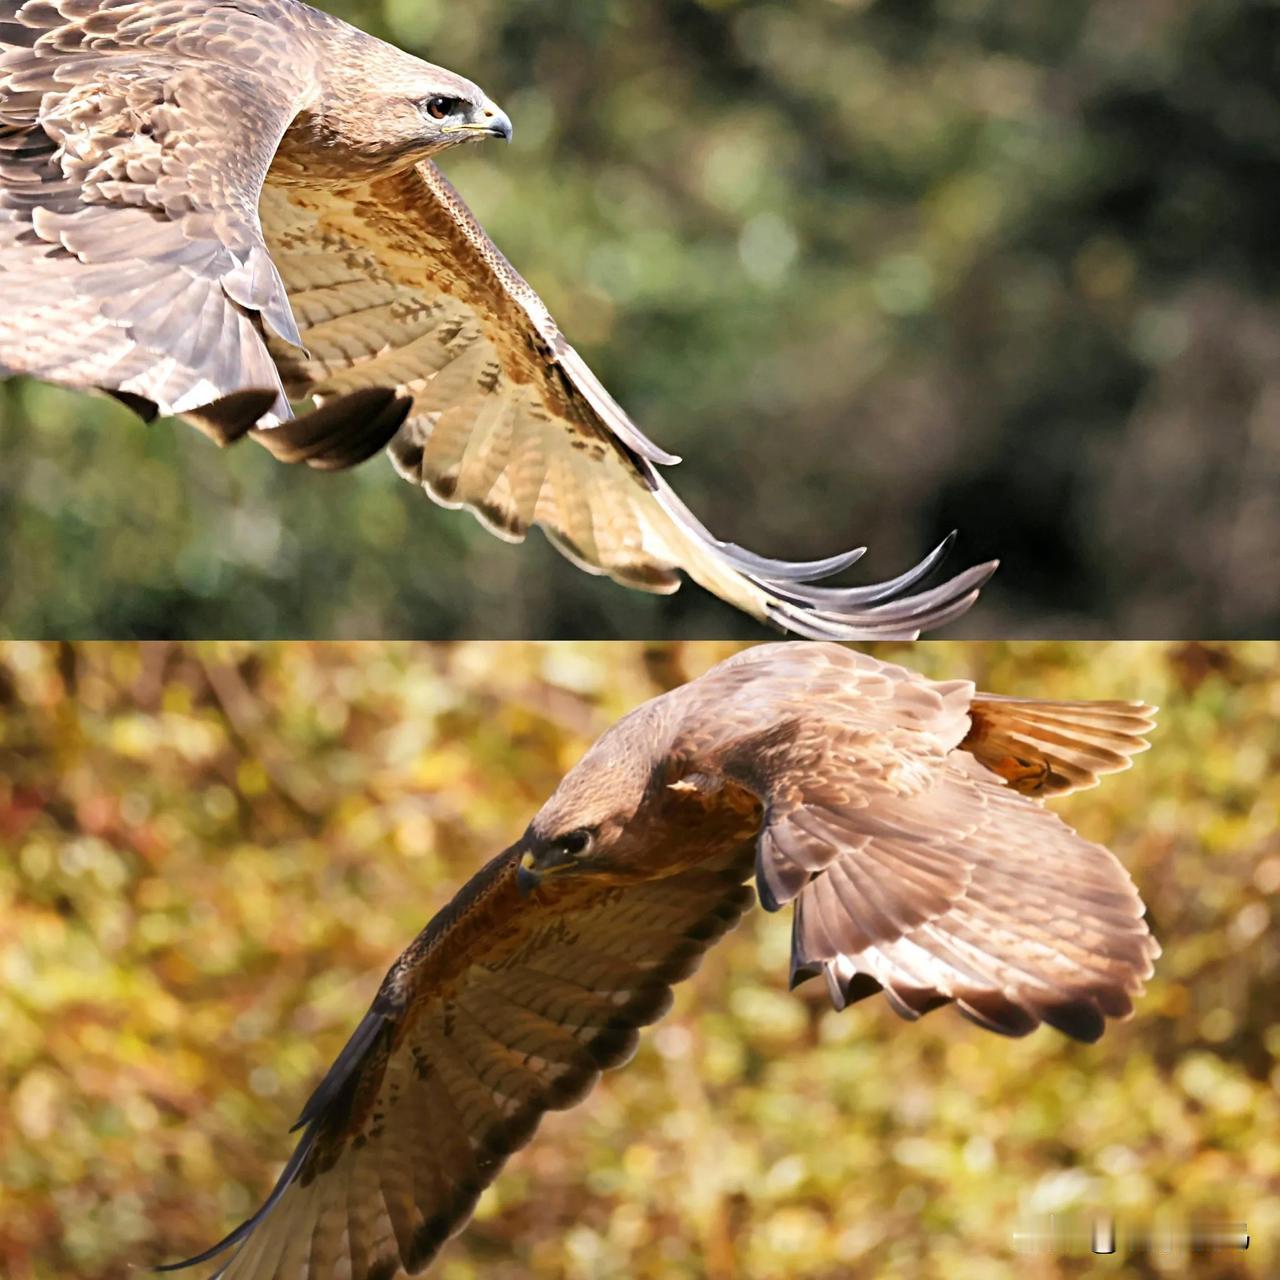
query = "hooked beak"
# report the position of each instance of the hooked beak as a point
(528, 877)
(533, 870)
(496, 122)
(489, 121)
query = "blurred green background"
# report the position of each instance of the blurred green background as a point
(210, 855)
(876, 268)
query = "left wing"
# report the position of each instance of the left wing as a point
(505, 1007)
(134, 141)
(396, 285)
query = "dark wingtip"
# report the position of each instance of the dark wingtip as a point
(342, 432)
(241, 1233)
(845, 597)
(764, 891)
(232, 416)
(788, 570)
(1080, 1019)
(146, 409)
(339, 1075)
(336, 1079)
(902, 618)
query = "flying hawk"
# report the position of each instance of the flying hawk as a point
(212, 208)
(901, 817)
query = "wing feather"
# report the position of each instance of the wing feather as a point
(465, 335)
(894, 820)
(1015, 940)
(130, 171)
(504, 1008)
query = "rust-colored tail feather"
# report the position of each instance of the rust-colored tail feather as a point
(1050, 748)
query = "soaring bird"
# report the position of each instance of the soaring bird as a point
(212, 208)
(901, 816)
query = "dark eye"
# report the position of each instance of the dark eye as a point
(438, 108)
(575, 842)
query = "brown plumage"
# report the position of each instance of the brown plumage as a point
(213, 207)
(840, 783)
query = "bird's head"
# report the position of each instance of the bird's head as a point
(595, 822)
(570, 851)
(582, 830)
(389, 110)
(447, 111)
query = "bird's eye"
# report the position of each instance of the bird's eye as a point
(575, 842)
(438, 108)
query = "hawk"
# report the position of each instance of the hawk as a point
(901, 817)
(212, 208)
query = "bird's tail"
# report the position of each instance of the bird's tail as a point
(1049, 748)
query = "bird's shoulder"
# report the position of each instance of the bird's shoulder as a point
(817, 699)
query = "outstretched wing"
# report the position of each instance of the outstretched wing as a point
(506, 1006)
(395, 284)
(913, 867)
(134, 140)
(977, 895)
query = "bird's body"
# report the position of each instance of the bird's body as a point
(218, 207)
(898, 814)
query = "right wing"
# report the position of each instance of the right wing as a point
(507, 1006)
(977, 895)
(396, 285)
(913, 867)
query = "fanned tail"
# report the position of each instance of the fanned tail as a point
(1049, 748)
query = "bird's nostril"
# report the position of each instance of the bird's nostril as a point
(488, 114)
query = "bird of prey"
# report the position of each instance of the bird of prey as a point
(902, 818)
(213, 208)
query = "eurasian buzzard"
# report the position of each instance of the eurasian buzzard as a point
(213, 207)
(902, 816)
